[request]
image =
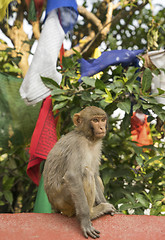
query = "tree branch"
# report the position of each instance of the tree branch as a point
(36, 29)
(102, 29)
(20, 39)
(90, 17)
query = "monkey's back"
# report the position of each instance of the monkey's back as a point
(66, 154)
(56, 162)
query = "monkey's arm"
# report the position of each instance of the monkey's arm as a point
(100, 199)
(75, 187)
(99, 190)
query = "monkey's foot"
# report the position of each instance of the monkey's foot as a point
(89, 230)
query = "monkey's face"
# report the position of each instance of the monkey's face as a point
(98, 124)
(92, 122)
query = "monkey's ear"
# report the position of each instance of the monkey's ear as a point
(76, 119)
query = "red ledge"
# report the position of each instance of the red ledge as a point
(46, 226)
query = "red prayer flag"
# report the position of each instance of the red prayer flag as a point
(140, 130)
(43, 139)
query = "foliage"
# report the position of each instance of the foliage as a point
(9, 63)
(17, 122)
(133, 176)
(140, 30)
(17, 191)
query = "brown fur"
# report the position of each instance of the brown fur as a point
(71, 172)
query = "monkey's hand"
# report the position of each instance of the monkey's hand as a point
(109, 208)
(88, 229)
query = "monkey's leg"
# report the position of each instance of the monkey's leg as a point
(82, 198)
(61, 201)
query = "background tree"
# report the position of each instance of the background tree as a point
(133, 176)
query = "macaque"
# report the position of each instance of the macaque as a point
(71, 171)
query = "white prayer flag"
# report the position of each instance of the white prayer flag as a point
(44, 61)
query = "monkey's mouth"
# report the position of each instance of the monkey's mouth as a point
(100, 134)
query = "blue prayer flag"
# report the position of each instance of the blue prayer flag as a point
(53, 4)
(115, 57)
(68, 12)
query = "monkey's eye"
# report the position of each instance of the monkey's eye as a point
(103, 119)
(95, 120)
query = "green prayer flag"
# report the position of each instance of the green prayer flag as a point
(42, 204)
(32, 12)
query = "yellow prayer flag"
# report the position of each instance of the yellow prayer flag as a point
(3, 6)
(96, 54)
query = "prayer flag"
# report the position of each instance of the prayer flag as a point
(140, 129)
(115, 57)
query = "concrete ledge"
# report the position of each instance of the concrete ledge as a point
(45, 226)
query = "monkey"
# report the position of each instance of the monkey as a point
(71, 172)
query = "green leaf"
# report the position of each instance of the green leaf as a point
(103, 104)
(126, 122)
(137, 149)
(137, 205)
(108, 96)
(67, 62)
(121, 201)
(95, 96)
(118, 70)
(100, 85)
(162, 208)
(158, 197)
(151, 160)
(2, 203)
(156, 210)
(71, 74)
(150, 99)
(7, 182)
(112, 41)
(159, 111)
(86, 96)
(116, 86)
(50, 83)
(130, 72)
(77, 53)
(32, 16)
(126, 206)
(137, 89)
(142, 200)
(130, 197)
(99, 92)
(160, 91)
(89, 81)
(59, 105)
(130, 88)
(148, 196)
(146, 80)
(147, 106)
(139, 160)
(136, 106)
(125, 106)
(57, 91)
(106, 176)
(61, 98)
(8, 196)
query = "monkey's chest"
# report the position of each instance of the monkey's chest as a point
(91, 159)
